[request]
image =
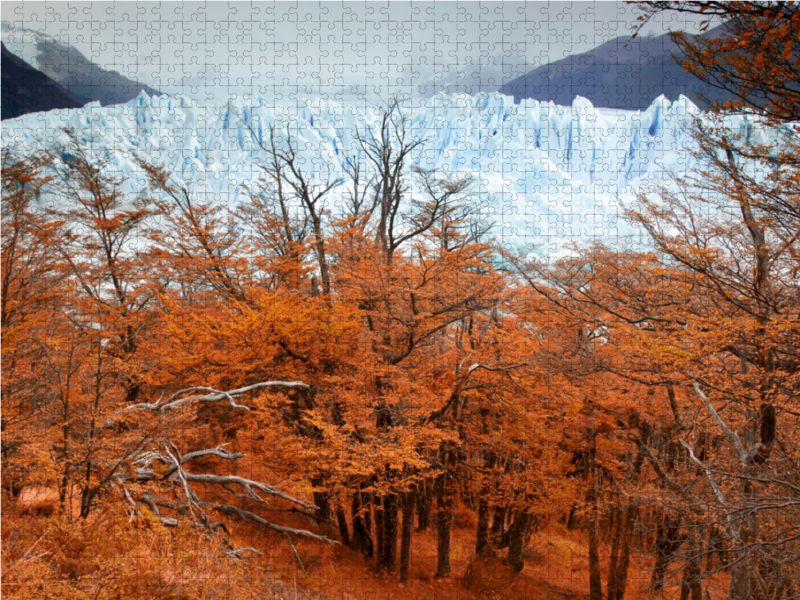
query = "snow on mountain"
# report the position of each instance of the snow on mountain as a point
(25, 43)
(83, 80)
(545, 174)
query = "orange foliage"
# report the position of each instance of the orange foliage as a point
(200, 396)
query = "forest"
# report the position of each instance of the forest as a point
(286, 401)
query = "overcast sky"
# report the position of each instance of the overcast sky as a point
(343, 50)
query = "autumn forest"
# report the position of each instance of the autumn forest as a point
(286, 401)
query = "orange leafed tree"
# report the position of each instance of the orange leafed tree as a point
(348, 359)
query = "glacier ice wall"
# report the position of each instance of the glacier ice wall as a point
(545, 174)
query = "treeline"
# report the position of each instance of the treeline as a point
(172, 369)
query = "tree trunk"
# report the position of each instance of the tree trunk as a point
(405, 539)
(341, 519)
(617, 540)
(389, 551)
(482, 538)
(716, 544)
(620, 556)
(741, 587)
(572, 519)
(63, 491)
(321, 500)
(377, 502)
(444, 524)
(667, 543)
(86, 502)
(691, 582)
(362, 538)
(595, 580)
(423, 507)
(516, 541)
(498, 522)
(741, 584)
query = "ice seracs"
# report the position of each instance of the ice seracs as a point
(545, 172)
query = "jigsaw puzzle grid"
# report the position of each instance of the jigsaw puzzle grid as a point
(545, 174)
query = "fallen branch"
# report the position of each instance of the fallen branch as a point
(247, 484)
(144, 473)
(249, 516)
(236, 553)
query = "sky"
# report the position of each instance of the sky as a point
(340, 50)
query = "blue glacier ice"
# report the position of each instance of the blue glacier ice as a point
(546, 174)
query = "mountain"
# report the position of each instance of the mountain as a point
(26, 90)
(622, 73)
(83, 80)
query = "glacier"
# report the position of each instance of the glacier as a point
(546, 175)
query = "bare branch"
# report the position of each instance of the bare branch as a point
(248, 484)
(717, 491)
(249, 516)
(136, 512)
(296, 555)
(236, 553)
(175, 400)
(144, 473)
(440, 412)
(191, 497)
(743, 455)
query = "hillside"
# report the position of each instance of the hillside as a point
(79, 78)
(26, 90)
(622, 73)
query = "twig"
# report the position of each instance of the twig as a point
(296, 555)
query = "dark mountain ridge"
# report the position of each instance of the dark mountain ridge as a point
(69, 77)
(621, 73)
(26, 90)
